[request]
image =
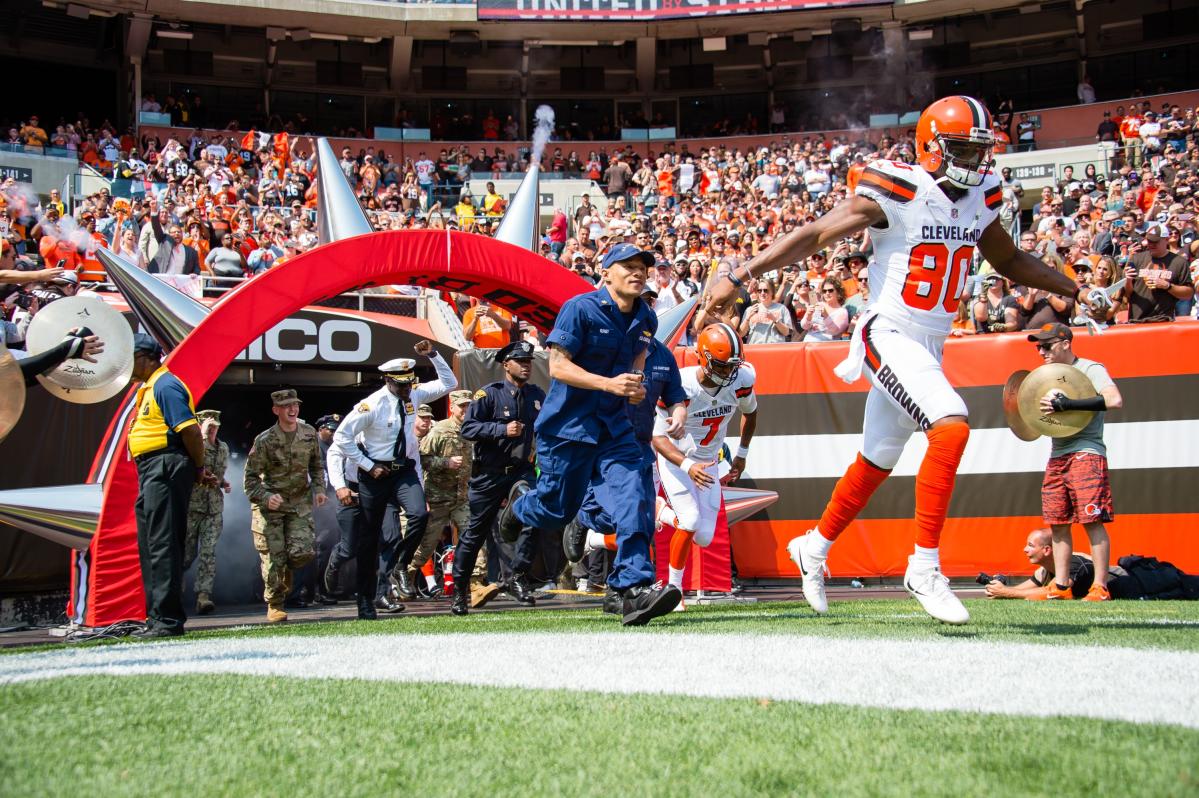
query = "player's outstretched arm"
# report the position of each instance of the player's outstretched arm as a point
(848, 218)
(1022, 268)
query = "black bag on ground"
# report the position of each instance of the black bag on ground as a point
(1149, 578)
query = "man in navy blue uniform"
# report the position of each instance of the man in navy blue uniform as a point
(592, 528)
(598, 350)
(500, 422)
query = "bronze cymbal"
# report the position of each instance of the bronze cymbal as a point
(1054, 377)
(12, 391)
(77, 380)
(1011, 408)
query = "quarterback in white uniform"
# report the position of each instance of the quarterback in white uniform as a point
(720, 385)
(925, 221)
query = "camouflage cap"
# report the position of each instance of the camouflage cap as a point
(213, 416)
(459, 397)
(425, 411)
(285, 397)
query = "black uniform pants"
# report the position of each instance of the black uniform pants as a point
(402, 490)
(484, 496)
(164, 482)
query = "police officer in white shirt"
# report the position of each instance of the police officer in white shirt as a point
(378, 436)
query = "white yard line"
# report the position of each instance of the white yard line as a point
(1139, 685)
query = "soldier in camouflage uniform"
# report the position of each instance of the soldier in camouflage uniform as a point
(206, 511)
(446, 460)
(284, 476)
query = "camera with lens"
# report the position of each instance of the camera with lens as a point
(984, 578)
(24, 301)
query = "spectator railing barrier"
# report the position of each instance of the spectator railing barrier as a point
(44, 152)
(1061, 126)
(381, 300)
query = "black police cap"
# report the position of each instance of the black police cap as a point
(517, 350)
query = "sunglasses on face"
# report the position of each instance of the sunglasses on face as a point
(1046, 346)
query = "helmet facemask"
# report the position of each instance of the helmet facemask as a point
(727, 369)
(967, 160)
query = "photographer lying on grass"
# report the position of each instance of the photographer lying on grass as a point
(1039, 550)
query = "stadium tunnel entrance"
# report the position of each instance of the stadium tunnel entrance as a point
(106, 575)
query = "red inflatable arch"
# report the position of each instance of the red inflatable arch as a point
(107, 585)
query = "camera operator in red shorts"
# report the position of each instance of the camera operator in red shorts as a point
(1076, 487)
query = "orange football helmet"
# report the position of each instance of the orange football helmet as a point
(956, 132)
(855, 172)
(719, 350)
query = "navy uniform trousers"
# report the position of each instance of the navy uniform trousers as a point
(485, 495)
(614, 470)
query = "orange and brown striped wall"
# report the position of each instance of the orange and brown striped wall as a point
(810, 423)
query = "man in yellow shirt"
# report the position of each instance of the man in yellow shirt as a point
(166, 444)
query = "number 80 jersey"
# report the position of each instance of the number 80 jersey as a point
(922, 256)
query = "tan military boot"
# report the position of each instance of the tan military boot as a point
(204, 605)
(275, 614)
(483, 594)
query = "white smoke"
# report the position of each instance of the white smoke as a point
(541, 135)
(238, 567)
(22, 198)
(238, 564)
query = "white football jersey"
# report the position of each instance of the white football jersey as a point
(922, 257)
(708, 414)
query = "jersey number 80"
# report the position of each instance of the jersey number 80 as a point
(927, 282)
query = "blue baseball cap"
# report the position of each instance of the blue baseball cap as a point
(625, 251)
(146, 345)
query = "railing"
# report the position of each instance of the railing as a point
(1061, 126)
(45, 152)
(377, 300)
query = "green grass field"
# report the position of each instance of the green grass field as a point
(200, 734)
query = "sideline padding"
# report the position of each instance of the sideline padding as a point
(996, 503)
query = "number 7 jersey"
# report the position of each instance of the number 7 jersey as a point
(708, 413)
(923, 255)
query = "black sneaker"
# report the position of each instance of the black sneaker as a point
(574, 539)
(613, 602)
(461, 605)
(323, 599)
(436, 592)
(510, 525)
(646, 602)
(366, 610)
(519, 591)
(330, 579)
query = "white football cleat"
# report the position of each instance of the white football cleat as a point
(931, 589)
(680, 607)
(813, 571)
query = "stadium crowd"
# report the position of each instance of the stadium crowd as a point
(232, 208)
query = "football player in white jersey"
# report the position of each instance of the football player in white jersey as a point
(925, 222)
(720, 385)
